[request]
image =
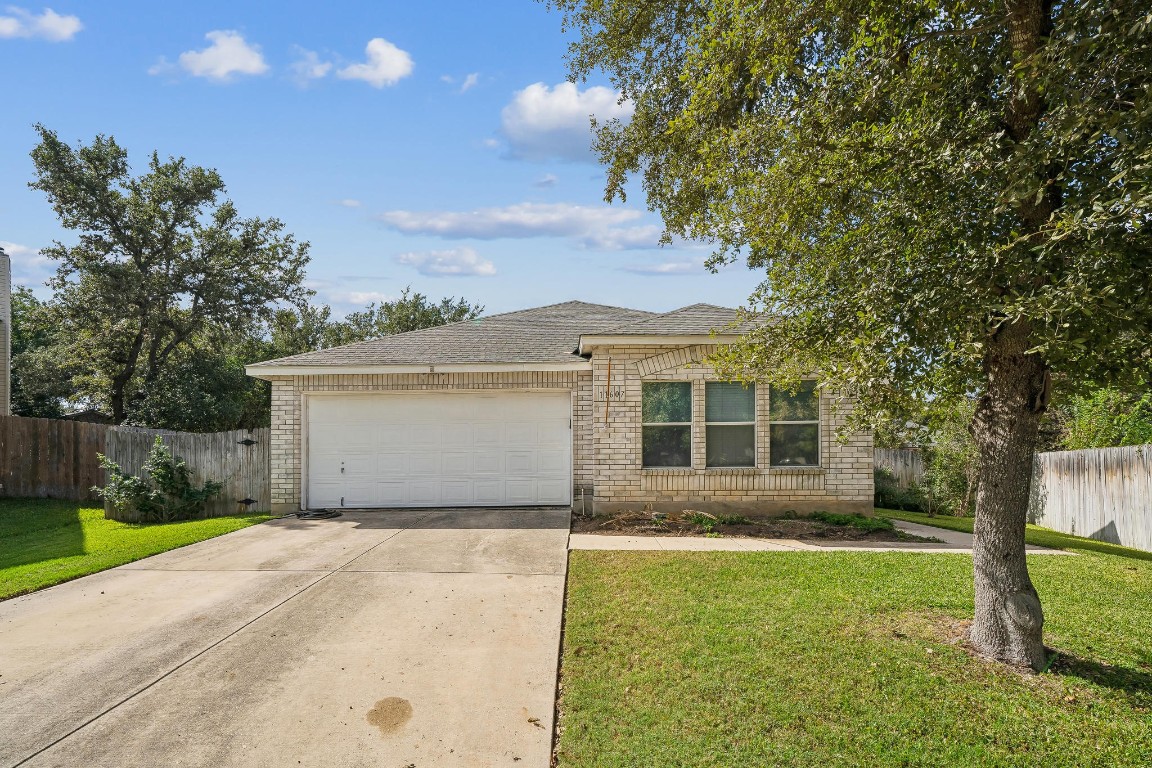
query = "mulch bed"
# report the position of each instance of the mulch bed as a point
(649, 524)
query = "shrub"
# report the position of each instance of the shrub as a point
(1107, 418)
(856, 521)
(167, 495)
(890, 495)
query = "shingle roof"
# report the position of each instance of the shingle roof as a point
(696, 319)
(541, 335)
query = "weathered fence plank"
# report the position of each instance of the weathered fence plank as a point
(905, 464)
(57, 458)
(244, 469)
(50, 458)
(1100, 493)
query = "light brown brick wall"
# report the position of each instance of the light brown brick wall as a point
(606, 443)
(842, 482)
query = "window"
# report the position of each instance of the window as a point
(666, 418)
(794, 434)
(730, 424)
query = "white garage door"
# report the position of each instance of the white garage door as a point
(442, 449)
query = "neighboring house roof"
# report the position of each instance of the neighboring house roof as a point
(543, 335)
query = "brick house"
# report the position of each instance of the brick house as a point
(602, 408)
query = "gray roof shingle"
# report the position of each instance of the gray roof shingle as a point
(693, 320)
(547, 334)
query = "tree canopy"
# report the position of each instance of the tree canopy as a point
(160, 257)
(893, 170)
(944, 199)
(168, 293)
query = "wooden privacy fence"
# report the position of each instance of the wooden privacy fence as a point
(905, 464)
(55, 458)
(50, 458)
(1101, 493)
(238, 459)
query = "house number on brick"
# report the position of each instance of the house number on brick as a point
(615, 392)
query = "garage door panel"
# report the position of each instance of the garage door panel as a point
(391, 464)
(392, 494)
(488, 491)
(424, 492)
(326, 438)
(520, 491)
(457, 436)
(552, 462)
(553, 491)
(325, 466)
(519, 463)
(455, 464)
(360, 493)
(325, 494)
(358, 437)
(390, 436)
(488, 464)
(456, 493)
(454, 448)
(520, 433)
(423, 464)
(554, 434)
(425, 436)
(486, 435)
(359, 465)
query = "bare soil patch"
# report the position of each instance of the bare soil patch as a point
(693, 523)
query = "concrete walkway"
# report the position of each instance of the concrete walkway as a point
(955, 542)
(375, 639)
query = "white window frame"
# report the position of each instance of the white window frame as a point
(819, 441)
(689, 424)
(755, 448)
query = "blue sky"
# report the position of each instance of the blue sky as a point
(434, 145)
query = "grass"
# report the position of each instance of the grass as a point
(48, 541)
(1035, 535)
(846, 659)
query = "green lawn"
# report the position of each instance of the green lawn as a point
(1041, 537)
(848, 659)
(47, 541)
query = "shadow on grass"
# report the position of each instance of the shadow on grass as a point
(1134, 682)
(34, 530)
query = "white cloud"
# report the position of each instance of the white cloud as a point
(546, 181)
(470, 82)
(457, 262)
(386, 65)
(543, 122)
(601, 228)
(228, 55)
(49, 25)
(308, 66)
(360, 298)
(348, 203)
(29, 267)
(23, 256)
(667, 268)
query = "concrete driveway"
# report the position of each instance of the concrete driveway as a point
(380, 638)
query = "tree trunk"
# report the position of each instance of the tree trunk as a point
(1009, 621)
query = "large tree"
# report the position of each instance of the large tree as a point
(40, 380)
(944, 198)
(161, 258)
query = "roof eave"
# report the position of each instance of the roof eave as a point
(269, 372)
(654, 340)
